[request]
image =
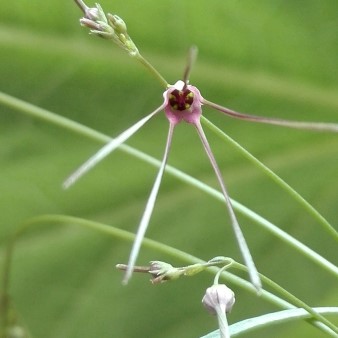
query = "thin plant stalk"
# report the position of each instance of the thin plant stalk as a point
(315, 126)
(222, 323)
(107, 149)
(148, 209)
(268, 172)
(79, 129)
(254, 276)
(192, 55)
(288, 301)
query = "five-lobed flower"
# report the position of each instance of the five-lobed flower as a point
(182, 102)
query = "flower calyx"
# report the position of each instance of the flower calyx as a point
(183, 102)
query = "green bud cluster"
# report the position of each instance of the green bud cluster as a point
(110, 27)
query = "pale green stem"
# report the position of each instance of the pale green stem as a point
(162, 248)
(135, 53)
(222, 323)
(296, 302)
(294, 194)
(81, 5)
(148, 209)
(5, 304)
(243, 246)
(45, 115)
(271, 319)
(220, 271)
(152, 70)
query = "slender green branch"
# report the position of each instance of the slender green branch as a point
(49, 117)
(152, 70)
(113, 28)
(82, 5)
(165, 249)
(296, 302)
(36, 112)
(294, 194)
(5, 304)
(247, 325)
(122, 235)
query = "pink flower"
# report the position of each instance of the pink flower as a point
(183, 102)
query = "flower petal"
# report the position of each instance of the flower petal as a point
(316, 126)
(148, 210)
(243, 246)
(107, 149)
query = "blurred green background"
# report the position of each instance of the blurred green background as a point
(272, 58)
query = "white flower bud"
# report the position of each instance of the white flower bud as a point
(92, 14)
(218, 295)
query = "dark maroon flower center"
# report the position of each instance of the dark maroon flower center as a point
(181, 99)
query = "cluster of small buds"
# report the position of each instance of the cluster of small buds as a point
(96, 20)
(107, 26)
(162, 271)
(121, 37)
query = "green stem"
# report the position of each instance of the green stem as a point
(81, 5)
(75, 127)
(294, 194)
(152, 70)
(296, 302)
(271, 319)
(222, 323)
(158, 247)
(5, 304)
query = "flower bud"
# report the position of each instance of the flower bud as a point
(90, 24)
(162, 272)
(92, 14)
(118, 24)
(218, 295)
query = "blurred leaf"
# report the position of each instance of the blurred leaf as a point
(267, 58)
